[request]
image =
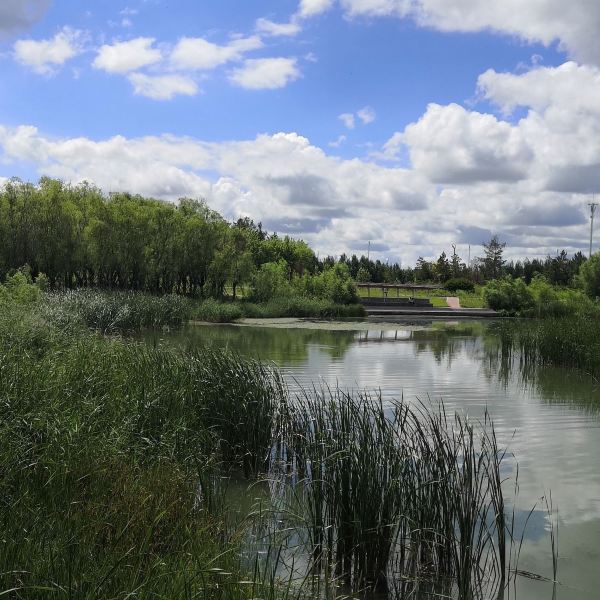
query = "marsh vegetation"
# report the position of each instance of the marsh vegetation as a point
(115, 453)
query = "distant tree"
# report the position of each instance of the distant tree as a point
(493, 261)
(363, 275)
(457, 267)
(442, 268)
(423, 270)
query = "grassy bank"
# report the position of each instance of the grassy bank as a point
(226, 312)
(112, 312)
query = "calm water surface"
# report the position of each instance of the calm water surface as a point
(549, 419)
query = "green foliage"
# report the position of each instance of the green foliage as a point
(271, 281)
(459, 283)
(589, 276)
(110, 312)
(493, 261)
(363, 275)
(333, 284)
(214, 311)
(508, 295)
(109, 456)
(301, 306)
(18, 289)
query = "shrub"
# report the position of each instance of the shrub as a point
(508, 295)
(459, 283)
(217, 312)
(271, 282)
(589, 276)
(18, 289)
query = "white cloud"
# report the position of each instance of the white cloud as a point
(200, 54)
(311, 8)
(17, 15)
(452, 145)
(124, 57)
(376, 8)
(266, 73)
(308, 190)
(348, 120)
(366, 115)
(574, 25)
(339, 142)
(271, 28)
(162, 87)
(47, 56)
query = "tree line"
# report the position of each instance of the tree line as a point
(79, 237)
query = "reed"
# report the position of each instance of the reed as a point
(110, 312)
(396, 494)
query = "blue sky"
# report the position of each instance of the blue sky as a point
(411, 123)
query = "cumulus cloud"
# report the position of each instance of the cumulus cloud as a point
(271, 28)
(200, 54)
(17, 15)
(365, 115)
(562, 125)
(452, 145)
(574, 25)
(266, 73)
(124, 57)
(471, 174)
(47, 56)
(163, 87)
(311, 8)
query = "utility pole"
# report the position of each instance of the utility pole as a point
(593, 206)
(369, 251)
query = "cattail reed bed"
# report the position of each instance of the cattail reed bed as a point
(112, 456)
(397, 495)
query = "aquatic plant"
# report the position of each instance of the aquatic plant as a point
(110, 312)
(396, 493)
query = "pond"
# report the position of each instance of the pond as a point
(549, 418)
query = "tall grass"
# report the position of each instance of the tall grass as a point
(293, 307)
(110, 312)
(396, 495)
(572, 341)
(110, 452)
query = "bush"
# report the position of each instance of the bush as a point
(271, 281)
(18, 289)
(508, 295)
(459, 283)
(213, 311)
(589, 276)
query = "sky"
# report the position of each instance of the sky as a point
(414, 125)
